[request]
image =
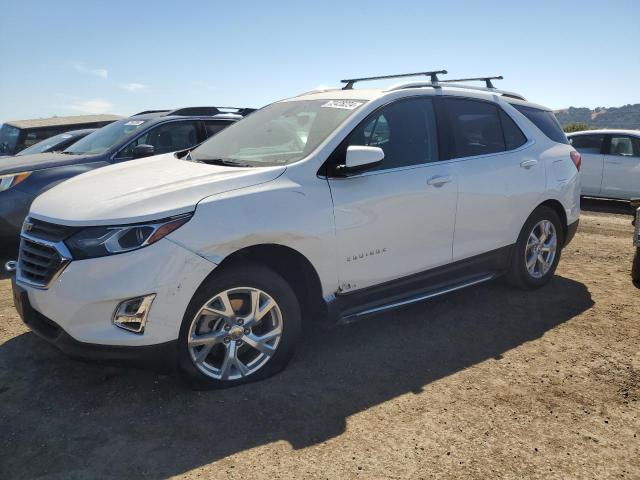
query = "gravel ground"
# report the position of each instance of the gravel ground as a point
(484, 383)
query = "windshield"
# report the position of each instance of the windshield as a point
(46, 145)
(278, 134)
(8, 139)
(102, 140)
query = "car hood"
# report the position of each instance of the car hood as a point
(142, 190)
(39, 161)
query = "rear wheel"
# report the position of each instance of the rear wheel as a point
(242, 325)
(537, 251)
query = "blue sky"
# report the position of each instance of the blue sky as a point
(90, 56)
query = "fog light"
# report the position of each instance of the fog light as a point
(131, 315)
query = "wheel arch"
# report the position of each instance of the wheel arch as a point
(291, 265)
(557, 207)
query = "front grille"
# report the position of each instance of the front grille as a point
(47, 231)
(40, 259)
(38, 263)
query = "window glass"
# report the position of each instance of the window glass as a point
(169, 137)
(214, 126)
(624, 146)
(513, 136)
(8, 139)
(107, 137)
(55, 143)
(587, 143)
(278, 134)
(476, 127)
(545, 120)
(404, 130)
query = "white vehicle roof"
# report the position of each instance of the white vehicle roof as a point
(411, 88)
(615, 131)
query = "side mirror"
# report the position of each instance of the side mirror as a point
(360, 158)
(141, 151)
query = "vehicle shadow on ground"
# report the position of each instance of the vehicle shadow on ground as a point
(606, 206)
(63, 418)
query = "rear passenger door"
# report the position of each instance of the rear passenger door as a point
(621, 178)
(590, 148)
(499, 180)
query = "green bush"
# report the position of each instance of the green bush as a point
(575, 127)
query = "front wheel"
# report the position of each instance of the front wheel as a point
(242, 325)
(635, 270)
(537, 251)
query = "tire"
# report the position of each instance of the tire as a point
(263, 347)
(635, 269)
(520, 273)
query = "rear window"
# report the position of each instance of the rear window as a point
(587, 143)
(545, 120)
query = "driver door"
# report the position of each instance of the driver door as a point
(397, 218)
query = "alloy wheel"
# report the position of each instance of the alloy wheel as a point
(541, 248)
(235, 333)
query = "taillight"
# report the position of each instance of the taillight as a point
(576, 158)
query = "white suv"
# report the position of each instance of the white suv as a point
(330, 206)
(610, 162)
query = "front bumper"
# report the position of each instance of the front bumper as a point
(161, 357)
(81, 302)
(14, 207)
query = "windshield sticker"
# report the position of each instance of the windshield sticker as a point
(135, 122)
(345, 104)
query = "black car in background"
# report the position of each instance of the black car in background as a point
(22, 178)
(57, 143)
(17, 135)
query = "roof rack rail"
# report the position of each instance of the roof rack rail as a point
(433, 74)
(210, 111)
(151, 111)
(504, 93)
(487, 80)
(489, 86)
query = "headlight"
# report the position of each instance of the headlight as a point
(101, 241)
(8, 181)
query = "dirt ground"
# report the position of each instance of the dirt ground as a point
(484, 383)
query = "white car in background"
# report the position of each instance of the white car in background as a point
(330, 206)
(610, 162)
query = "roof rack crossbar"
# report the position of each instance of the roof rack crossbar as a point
(487, 80)
(433, 74)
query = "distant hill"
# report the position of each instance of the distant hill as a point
(626, 117)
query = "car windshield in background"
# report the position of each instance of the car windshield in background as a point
(45, 145)
(279, 134)
(102, 140)
(8, 139)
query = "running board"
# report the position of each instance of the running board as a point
(354, 317)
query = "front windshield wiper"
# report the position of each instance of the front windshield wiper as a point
(223, 161)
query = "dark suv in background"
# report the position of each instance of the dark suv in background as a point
(16, 135)
(57, 143)
(153, 132)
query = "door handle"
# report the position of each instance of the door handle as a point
(438, 181)
(529, 163)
